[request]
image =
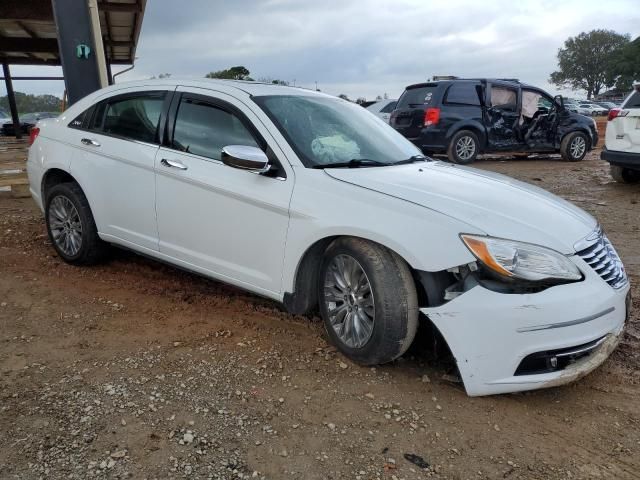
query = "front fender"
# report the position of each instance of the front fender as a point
(322, 207)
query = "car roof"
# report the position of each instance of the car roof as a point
(250, 87)
(502, 81)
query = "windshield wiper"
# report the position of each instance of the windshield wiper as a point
(354, 163)
(413, 159)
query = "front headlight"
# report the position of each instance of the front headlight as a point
(522, 261)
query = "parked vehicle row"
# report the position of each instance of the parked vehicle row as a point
(464, 118)
(312, 201)
(27, 122)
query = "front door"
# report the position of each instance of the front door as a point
(219, 220)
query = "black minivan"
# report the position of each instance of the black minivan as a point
(465, 117)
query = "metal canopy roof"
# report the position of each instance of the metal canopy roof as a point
(28, 31)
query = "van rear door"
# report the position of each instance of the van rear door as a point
(408, 117)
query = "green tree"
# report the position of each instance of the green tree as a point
(28, 103)
(233, 73)
(585, 60)
(625, 66)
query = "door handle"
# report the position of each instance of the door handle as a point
(90, 142)
(173, 164)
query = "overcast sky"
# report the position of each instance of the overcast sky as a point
(361, 47)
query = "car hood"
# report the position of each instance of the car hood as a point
(495, 204)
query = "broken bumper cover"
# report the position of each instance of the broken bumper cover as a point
(490, 333)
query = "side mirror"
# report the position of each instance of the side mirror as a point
(245, 158)
(558, 99)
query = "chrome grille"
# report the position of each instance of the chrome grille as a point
(603, 258)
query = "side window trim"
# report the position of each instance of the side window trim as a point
(125, 96)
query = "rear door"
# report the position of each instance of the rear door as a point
(408, 117)
(623, 132)
(114, 159)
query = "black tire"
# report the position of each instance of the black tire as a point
(395, 316)
(570, 146)
(92, 249)
(463, 147)
(624, 175)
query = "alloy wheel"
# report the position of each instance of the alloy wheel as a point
(578, 147)
(465, 148)
(349, 301)
(65, 225)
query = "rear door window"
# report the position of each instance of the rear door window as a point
(462, 94)
(134, 117)
(504, 98)
(204, 129)
(417, 97)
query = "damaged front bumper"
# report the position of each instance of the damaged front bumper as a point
(573, 327)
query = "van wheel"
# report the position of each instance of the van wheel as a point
(574, 147)
(624, 175)
(464, 147)
(71, 227)
(368, 301)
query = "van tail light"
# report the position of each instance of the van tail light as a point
(33, 134)
(431, 116)
(393, 116)
(617, 112)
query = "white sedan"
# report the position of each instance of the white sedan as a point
(309, 200)
(383, 108)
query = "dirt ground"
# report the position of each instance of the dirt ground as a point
(134, 369)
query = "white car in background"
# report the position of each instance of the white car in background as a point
(383, 108)
(591, 109)
(309, 200)
(622, 139)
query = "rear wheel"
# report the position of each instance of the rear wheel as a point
(574, 147)
(71, 227)
(464, 147)
(624, 175)
(368, 301)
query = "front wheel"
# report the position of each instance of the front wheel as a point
(464, 147)
(574, 147)
(368, 301)
(624, 175)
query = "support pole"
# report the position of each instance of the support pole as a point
(12, 100)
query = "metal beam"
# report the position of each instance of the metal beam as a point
(12, 101)
(26, 10)
(29, 61)
(73, 24)
(34, 78)
(29, 45)
(119, 7)
(119, 43)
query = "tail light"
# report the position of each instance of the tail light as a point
(33, 134)
(431, 116)
(392, 117)
(615, 113)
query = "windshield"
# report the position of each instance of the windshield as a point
(327, 131)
